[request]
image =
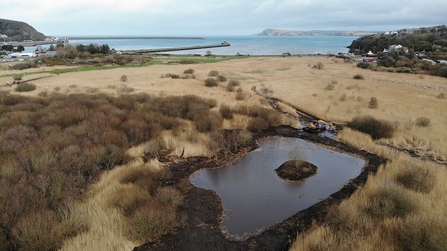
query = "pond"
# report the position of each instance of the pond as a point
(254, 197)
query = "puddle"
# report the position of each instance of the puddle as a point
(254, 197)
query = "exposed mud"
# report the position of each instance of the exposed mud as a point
(202, 211)
(295, 170)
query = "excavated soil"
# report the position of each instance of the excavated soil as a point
(294, 170)
(202, 210)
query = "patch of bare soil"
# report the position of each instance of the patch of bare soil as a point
(202, 211)
(296, 170)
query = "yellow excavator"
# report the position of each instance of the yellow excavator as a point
(318, 126)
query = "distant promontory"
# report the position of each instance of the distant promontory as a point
(278, 32)
(19, 31)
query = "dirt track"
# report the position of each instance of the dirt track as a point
(202, 210)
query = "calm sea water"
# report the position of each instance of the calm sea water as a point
(252, 45)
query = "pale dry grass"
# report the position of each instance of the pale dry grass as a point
(107, 229)
(238, 122)
(351, 226)
(188, 143)
(402, 98)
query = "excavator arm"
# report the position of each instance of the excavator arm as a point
(328, 123)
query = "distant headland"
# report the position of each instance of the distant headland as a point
(278, 32)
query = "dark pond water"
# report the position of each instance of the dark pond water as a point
(254, 197)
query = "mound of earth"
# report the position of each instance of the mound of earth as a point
(296, 170)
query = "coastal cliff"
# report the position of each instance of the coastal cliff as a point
(19, 31)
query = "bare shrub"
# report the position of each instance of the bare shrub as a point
(441, 96)
(390, 201)
(207, 123)
(25, 87)
(38, 231)
(169, 196)
(23, 66)
(373, 103)
(240, 96)
(376, 128)
(363, 65)
(426, 232)
(221, 78)
(72, 86)
(329, 87)
(359, 76)
(125, 89)
(188, 71)
(234, 140)
(234, 82)
(257, 124)
(418, 179)
(129, 198)
(213, 73)
(319, 66)
(226, 111)
(150, 222)
(422, 122)
(92, 90)
(230, 88)
(43, 94)
(211, 82)
(343, 97)
(123, 78)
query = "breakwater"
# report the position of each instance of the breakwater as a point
(135, 37)
(197, 47)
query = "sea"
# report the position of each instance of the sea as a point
(242, 45)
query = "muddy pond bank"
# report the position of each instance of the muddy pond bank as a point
(202, 211)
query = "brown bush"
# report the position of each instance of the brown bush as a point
(211, 82)
(419, 179)
(169, 196)
(422, 233)
(423, 122)
(235, 140)
(130, 198)
(257, 124)
(240, 96)
(52, 148)
(25, 87)
(373, 103)
(390, 202)
(188, 71)
(213, 73)
(376, 128)
(226, 111)
(150, 222)
(221, 78)
(38, 231)
(359, 76)
(207, 123)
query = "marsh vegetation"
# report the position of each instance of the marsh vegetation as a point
(85, 161)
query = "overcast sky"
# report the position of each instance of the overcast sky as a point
(219, 17)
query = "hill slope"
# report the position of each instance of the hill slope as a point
(419, 39)
(19, 31)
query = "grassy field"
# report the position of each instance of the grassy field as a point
(400, 208)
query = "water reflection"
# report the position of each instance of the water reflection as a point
(254, 197)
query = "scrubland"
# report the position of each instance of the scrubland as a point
(80, 153)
